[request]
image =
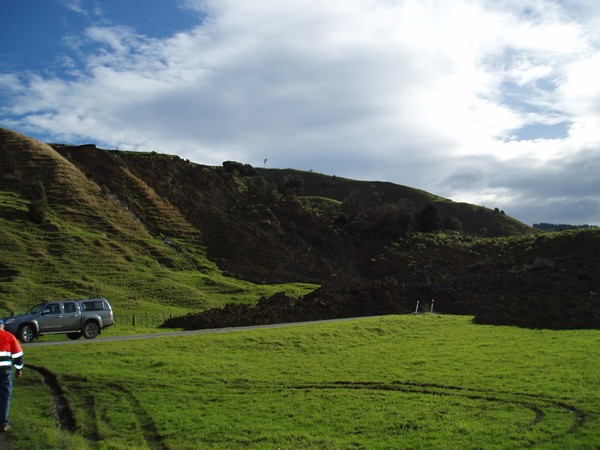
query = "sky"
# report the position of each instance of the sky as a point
(491, 102)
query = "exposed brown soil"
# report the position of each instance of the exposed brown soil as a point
(544, 282)
(536, 282)
(62, 408)
(364, 268)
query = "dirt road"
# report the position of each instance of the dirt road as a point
(187, 333)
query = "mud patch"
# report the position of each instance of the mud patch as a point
(62, 408)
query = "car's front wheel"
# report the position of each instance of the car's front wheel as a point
(26, 333)
(90, 330)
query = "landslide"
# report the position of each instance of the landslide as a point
(391, 248)
(515, 277)
(536, 281)
(252, 230)
(82, 241)
(261, 239)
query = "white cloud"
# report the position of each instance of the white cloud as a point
(405, 91)
(112, 37)
(73, 5)
(580, 96)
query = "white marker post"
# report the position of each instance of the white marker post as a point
(417, 308)
(432, 300)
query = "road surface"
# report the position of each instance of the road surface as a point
(188, 333)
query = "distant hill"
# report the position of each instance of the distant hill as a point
(473, 219)
(550, 227)
(154, 232)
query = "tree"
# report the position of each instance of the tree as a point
(237, 168)
(360, 201)
(291, 186)
(428, 219)
(391, 219)
(259, 187)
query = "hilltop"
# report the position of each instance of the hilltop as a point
(153, 231)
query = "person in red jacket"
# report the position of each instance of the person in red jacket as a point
(11, 354)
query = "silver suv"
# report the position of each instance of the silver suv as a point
(76, 318)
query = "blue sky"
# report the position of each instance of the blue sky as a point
(493, 102)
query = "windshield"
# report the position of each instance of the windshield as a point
(36, 309)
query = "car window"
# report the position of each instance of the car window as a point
(70, 307)
(93, 306)
(52, 308)
(37, 309)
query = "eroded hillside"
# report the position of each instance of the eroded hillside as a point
(87, 239)
(160, 230)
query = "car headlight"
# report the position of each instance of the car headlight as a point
(8, 321)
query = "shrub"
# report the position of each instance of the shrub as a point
(291, 186)
(428, 219)
(39, 203)
(238, 168)
(452, 223)
(367, 212)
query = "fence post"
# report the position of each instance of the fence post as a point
(133, 320)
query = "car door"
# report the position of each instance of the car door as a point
(51, 318)
(71, 320)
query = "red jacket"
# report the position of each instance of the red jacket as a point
(11, 353)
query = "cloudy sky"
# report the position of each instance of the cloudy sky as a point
(494, 102)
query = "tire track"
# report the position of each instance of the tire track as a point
(65, 417)
(534, 402)
(151, 435)
(579, 414)
(62, 408)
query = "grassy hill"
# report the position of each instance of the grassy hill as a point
(475, 220)
(154, 232)
(91, 243)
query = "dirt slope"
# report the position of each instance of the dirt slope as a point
(254, 229)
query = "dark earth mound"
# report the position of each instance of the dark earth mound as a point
(374, 248)
(543, 282)
(368, 263)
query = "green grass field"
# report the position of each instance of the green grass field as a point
(427, 381)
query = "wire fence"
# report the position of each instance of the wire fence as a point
(145, 320)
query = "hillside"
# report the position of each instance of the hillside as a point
(145, 258)
(474, 220)
(155, 232)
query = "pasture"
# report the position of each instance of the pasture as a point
(427, 381)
